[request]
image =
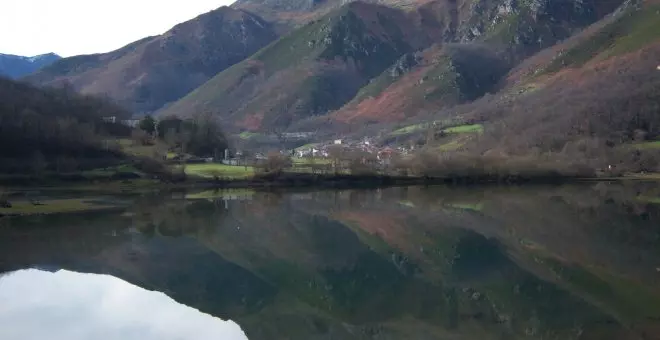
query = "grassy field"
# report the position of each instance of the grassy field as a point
(471, 128)
(58, 206)
(210, 170)
(248, 135)
(655, 144)
(409, 129)
(451, 146)
(467, 128)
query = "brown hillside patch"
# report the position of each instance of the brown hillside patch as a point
(251, 122)
(608, 99)
(407, 96)
(390, 106)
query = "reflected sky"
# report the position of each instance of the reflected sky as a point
(66, 305)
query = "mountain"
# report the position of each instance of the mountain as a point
(598, 88)
(310, 71)
(587, 102)
(482, 42)
(14, 66)
(384, 64)
(343, 67)
(149, 73)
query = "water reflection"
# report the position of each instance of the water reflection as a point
(66, 305)
(570, 262)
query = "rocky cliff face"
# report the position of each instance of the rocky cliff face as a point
(524, 25)
(151, 72)
(14, 66)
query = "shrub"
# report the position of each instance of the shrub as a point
(276, 163)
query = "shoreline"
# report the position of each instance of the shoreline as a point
(63, 197)
(288, 180)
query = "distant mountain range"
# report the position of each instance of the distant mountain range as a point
(14, 66)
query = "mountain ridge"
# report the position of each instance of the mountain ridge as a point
(370, 69)
(149, 73)
(504, 35)
(328, 58)
(15, 66)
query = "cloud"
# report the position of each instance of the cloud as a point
(71, 306)
(73, 27)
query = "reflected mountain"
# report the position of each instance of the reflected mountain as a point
(569, 262)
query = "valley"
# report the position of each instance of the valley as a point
(325, 169)
(441, 89)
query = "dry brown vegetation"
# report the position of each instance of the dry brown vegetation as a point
(445, 76)
(610, 100)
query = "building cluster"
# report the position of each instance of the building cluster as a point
(364, 146)
(133, 123)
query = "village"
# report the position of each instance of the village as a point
(364, 150)
(365, 147)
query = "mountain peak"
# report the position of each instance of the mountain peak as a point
(44, 57)
(151, 72)
(15, 66)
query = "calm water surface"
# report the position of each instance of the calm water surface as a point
(569, 262)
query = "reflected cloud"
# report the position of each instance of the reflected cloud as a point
(66, 305)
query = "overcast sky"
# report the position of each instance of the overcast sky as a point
(73, 27)
(37, 305)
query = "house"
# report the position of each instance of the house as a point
(131, 122)
(110, 119)
(337, 142)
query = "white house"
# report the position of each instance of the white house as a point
(131, 122)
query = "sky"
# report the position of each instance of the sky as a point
(37, 305)
(74, 27)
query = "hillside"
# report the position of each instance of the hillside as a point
(392, 64)
(603, 84)
(586, 106)
(47, 128)
(365, 68)
(321, 66)
(14, 66)
(485, 41)
(147, 74)
(426, 82)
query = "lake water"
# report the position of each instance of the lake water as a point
(562, 262)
